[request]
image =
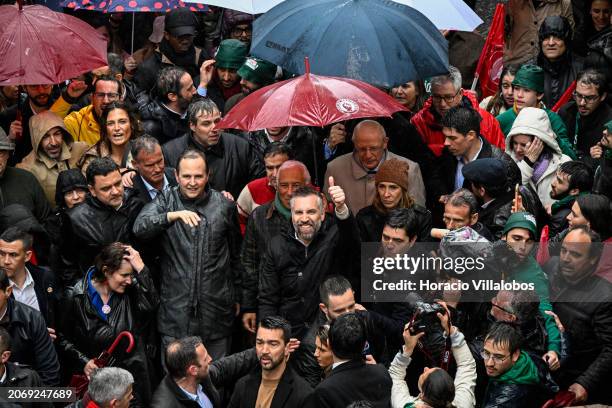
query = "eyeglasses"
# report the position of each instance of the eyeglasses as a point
(502, 309)
(587, 98)
(446, 98)
(496, 359)
(236, 31)
(111, 96)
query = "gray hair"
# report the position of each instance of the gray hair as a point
(454, 76)
(371, 124)
(144, 142)
(464, 198)
(294, 163)
(109, 383)
(306, 191)
(204, 106)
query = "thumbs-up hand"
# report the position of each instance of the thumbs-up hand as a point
(337, 195)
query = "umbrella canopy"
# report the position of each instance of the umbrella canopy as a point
(309, 100)
(117, 6)
(40, 46)
(246, 6)
(446, 14)
(376, 41)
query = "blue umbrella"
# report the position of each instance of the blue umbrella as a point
(376, 41)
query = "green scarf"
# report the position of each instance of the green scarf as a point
(557, 205)
(284, 211)
(524, 371)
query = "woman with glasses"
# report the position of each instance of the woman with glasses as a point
(391, 182)
(116, 294)
(532, 144)
(504, 97)
(118, 126)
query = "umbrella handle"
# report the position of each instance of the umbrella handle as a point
(307, 65)
(118, 339)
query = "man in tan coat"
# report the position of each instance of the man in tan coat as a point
(355, 171)
(52, 151)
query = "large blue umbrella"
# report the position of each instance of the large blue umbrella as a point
(376, 41)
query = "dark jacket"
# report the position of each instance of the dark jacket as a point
(292, 273)
(85, 334)
(602, 183)
(353, 381)
(223, 372)
(558, 75)
(231, 162)
(161, 123)
(23, 146)
(19, 377)
(17, 215)
(371, 223)
(140, 189)
(307, 146)
(47, 292)
(590, 128)
(31, 343)
(92, 225)
(291, 392)
(495, 215)
(201, 266)
(585, 308)
(264, 223)
(19, 186)
(558, 218)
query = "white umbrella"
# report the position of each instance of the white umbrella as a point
(246, 6)
(446, 14)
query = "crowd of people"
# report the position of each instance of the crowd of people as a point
(234, 258)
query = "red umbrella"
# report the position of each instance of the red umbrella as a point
(309, 100)
(40, 46)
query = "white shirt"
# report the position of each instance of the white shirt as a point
(201, 398)
(26, 294)
(461, 162)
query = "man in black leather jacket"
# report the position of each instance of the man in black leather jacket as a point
(106, 216)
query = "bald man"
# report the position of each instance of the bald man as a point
(355, 171)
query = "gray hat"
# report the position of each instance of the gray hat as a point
(5, 142)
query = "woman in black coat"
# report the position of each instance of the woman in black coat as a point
(116, 294)
(391, 192)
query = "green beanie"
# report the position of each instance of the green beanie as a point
(231, 54)
(530, 77)
(258, 71)
(608, 126)
(521, 220)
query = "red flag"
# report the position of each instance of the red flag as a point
(565, 98)
(490, 63)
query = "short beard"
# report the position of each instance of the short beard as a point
(310, 236)
(38, 105)
(559, 196)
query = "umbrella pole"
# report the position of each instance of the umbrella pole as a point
(132, 49)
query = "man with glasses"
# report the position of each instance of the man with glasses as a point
(586, 116)
(175, 49)
(83, 125)
(356, 171)
(528, 91)
(446, 93)
(515, 379)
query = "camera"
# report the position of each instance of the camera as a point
(425, 316)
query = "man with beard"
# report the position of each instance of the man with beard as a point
(583, 302)
(38, 100)
(176, 49)
(54, 151)
(84, 125)
(573, 178)
(276, 385)
(230, 158)
(255, 73)
(520, 233)
(165, 118)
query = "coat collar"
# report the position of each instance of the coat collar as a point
(282, 393)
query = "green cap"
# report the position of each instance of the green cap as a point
(530, 76)
(231, 54)
(258, 71)
(608, 126)
(521, 220)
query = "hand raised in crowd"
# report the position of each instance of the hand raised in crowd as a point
(596, 151)
(76, 88)
(127, 179)
(228, 195)
(337, 195)
(410, 340)
(557, 320)
(534, 149)
(133, 257)
(89, 367)
(16, 130)
(445, 320)
(207, 70)
(188, 217)
(293, 344)
(249, 321)
(337, 135)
